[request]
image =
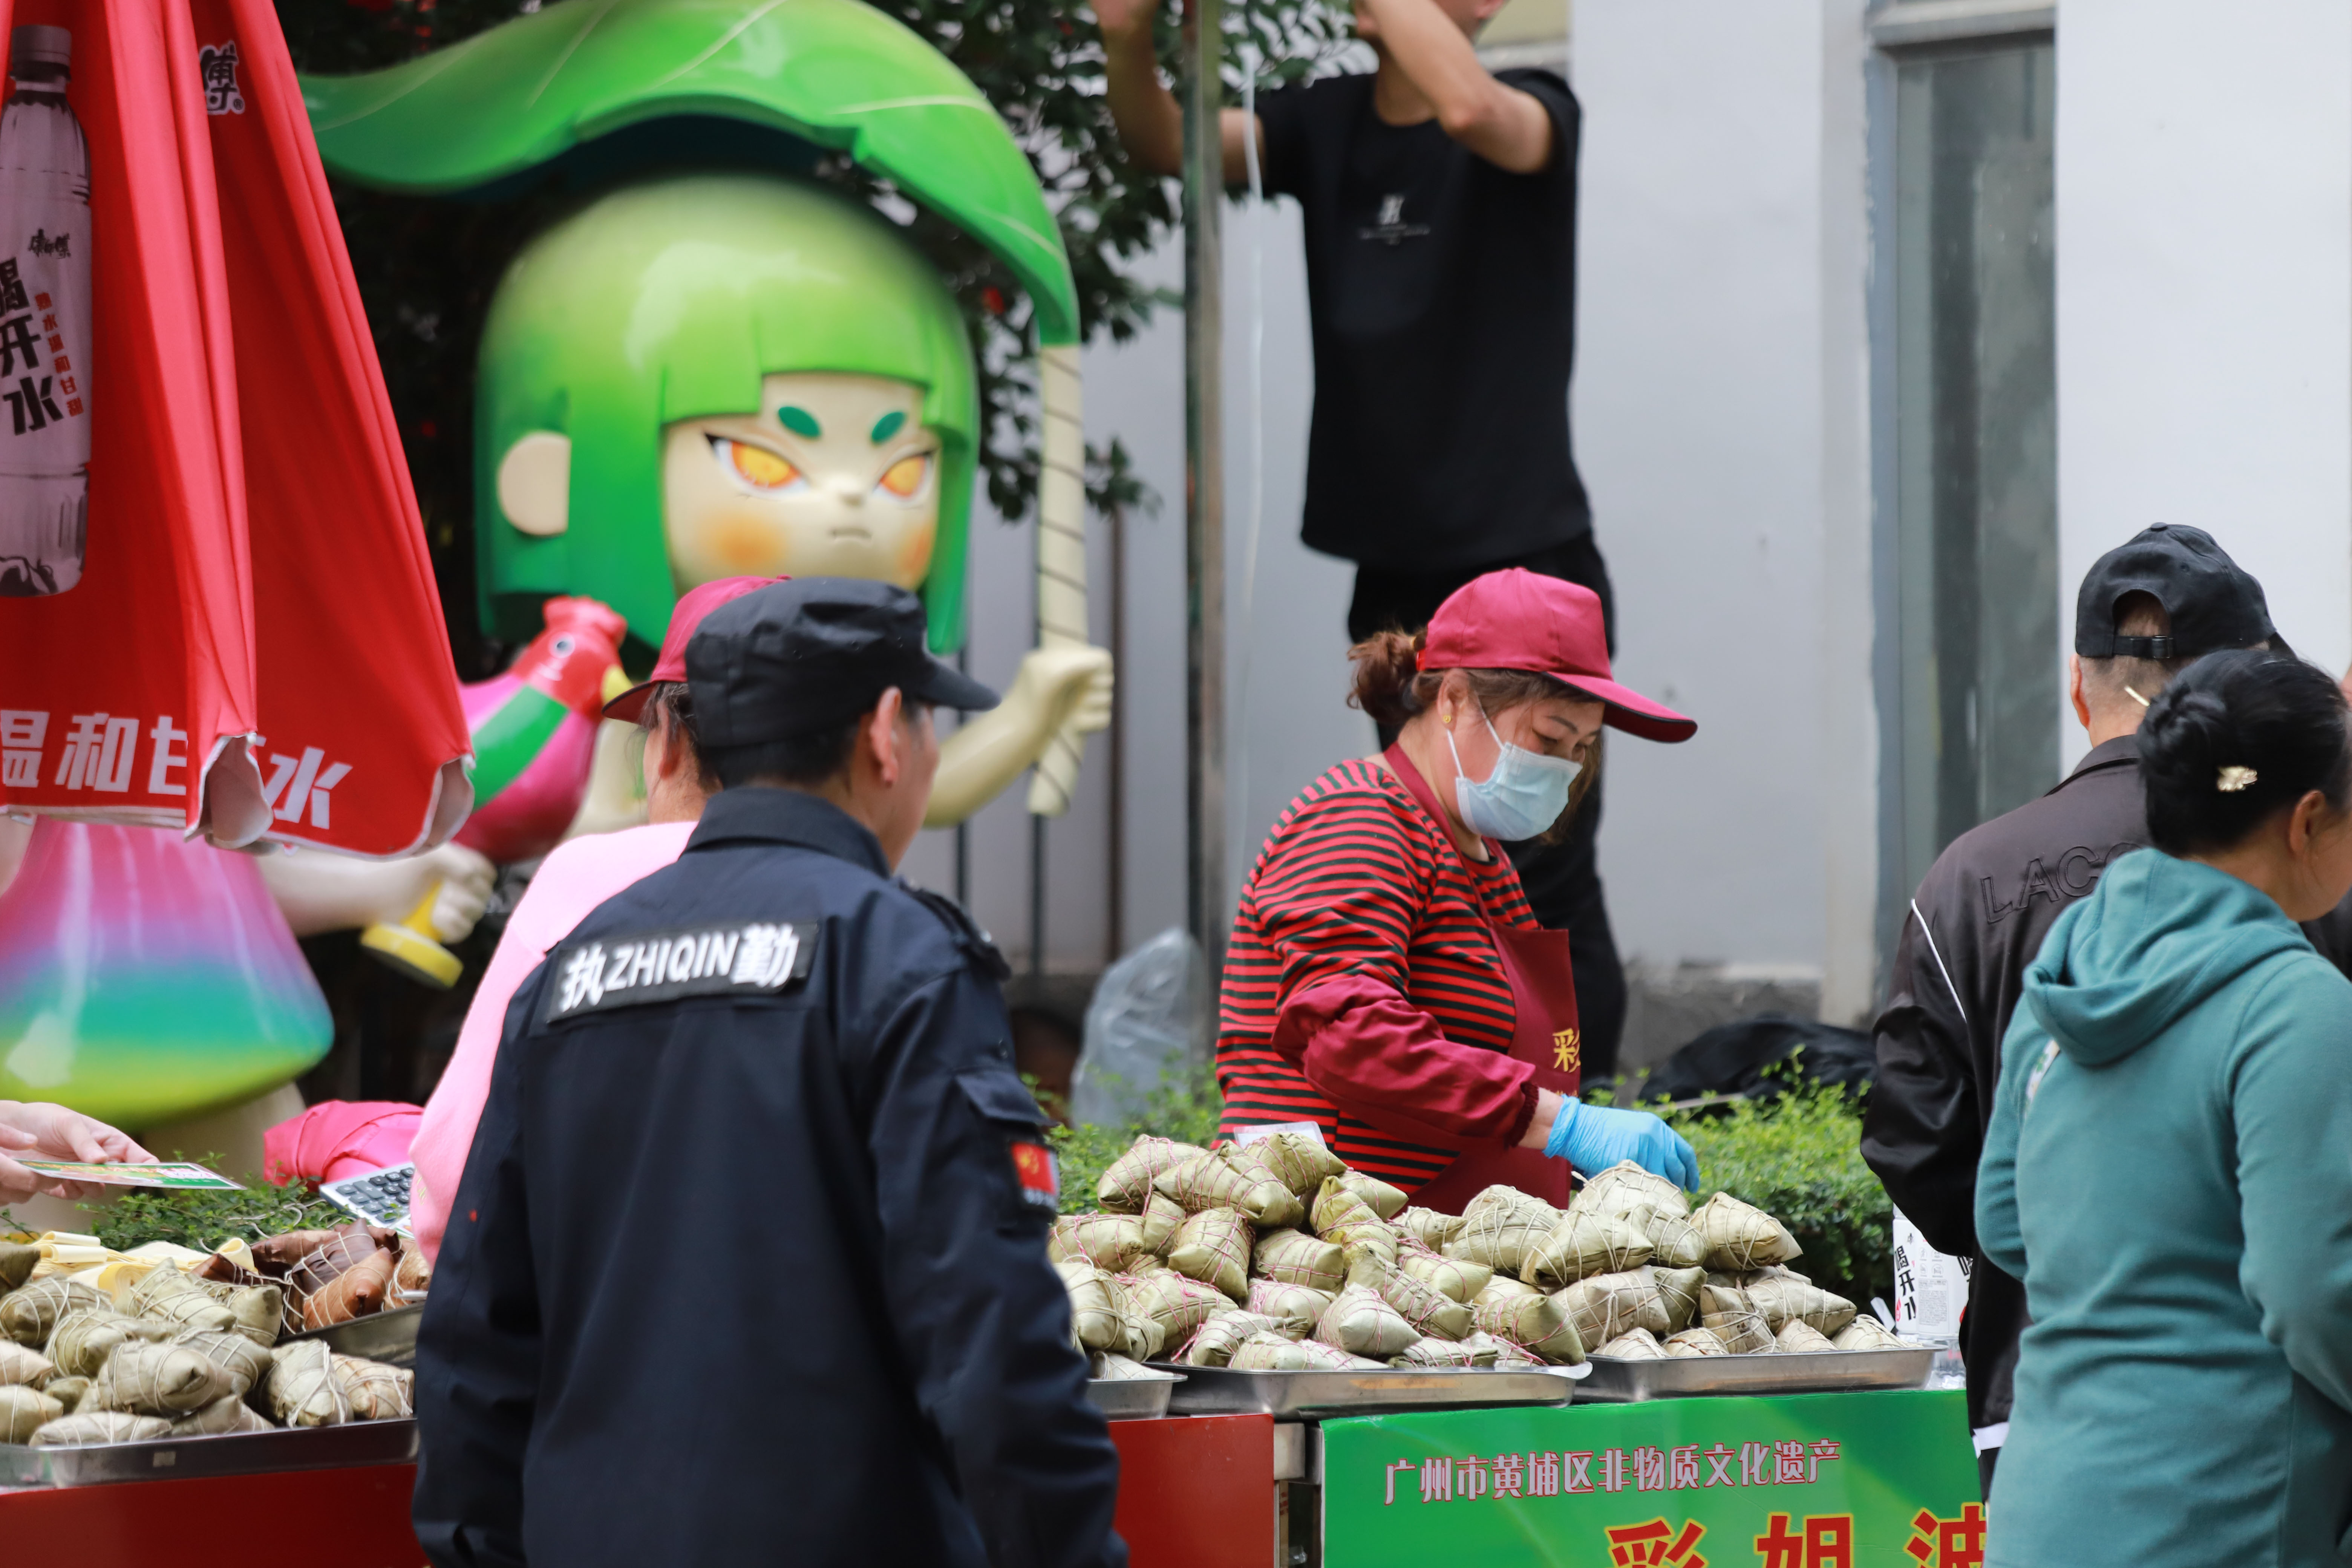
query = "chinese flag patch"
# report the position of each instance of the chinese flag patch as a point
(1041, 1182)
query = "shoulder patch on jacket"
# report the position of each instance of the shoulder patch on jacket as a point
(976, 944)
(737, 958)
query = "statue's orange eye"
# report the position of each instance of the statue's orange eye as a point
(906, 476)
(761, 467)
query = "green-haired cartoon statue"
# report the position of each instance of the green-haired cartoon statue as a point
(702, 376)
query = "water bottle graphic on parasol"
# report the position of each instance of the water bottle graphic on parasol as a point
(43, 321)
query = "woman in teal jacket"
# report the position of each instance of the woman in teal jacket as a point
(2169, 1165)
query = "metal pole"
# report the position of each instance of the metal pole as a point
(963, 829)
(1208, 912)
(1114, 862)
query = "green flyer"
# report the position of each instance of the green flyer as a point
(1821, 1481)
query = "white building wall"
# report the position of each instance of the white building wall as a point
(2204, 179)
(1718, 419)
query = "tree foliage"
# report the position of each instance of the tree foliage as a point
(427, 267)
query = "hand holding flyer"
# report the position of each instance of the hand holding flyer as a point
(46, 1148)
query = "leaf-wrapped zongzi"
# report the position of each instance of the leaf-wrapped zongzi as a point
(1112, 1241)
(1178, 1303)
(377, 1392)
(89, 1428)
(1428, 1310)
(228, 1414)
(1438, 1353)
(1741, 1236)
(1228, 1179)
(1866, 1333)
(1300, 1304)
(1213, 1246)
(1361, 1322)
(1503, 1233)
(1626, 1185)
(1603, 1306)
(303, 1388)
(29, 1313)
(1798, 1337)
(1584, 1244)
(1126, 1180)
(1534, 1323)
(1214, 1342)
(1295, 1257)
(1675, 1242)
(1158, 1221)
(1450, 1277)
(1382, 1199)
(83, 1339)
(246, 1364)
(1784, 1301)
(24, 1367)
(1433, 1229)
(1302, 1163)
(149, 1379)
(1634, 1344)
(1272, 1352)
(24, 1410)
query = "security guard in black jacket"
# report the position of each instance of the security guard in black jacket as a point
(748, 1264)
(2145, 611)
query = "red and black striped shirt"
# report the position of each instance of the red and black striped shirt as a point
(1356, 880)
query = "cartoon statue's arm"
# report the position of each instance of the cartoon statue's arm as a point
(1055, 687)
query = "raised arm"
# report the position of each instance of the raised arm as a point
(1151, 123)
(1503, 125)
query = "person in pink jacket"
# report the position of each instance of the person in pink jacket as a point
(576, 877)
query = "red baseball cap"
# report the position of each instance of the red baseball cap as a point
(1518, 619)
(692, 605)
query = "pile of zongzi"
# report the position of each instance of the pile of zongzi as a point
(178, 1344)
(1274, 1255)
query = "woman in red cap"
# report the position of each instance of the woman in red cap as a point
(1386, 981)
(577, 875)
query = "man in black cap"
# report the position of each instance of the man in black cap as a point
(748, 1263)
(2145, 611)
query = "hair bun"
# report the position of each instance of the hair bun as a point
(2234, 738)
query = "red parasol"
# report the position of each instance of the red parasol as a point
(254, 647)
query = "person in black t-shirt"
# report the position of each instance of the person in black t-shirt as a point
(1439, 209)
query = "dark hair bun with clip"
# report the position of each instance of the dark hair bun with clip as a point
(2235, 737)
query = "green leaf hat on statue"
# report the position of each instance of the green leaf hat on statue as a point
(715, 372)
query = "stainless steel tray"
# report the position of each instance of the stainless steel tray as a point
(234, 1454)
(1222, 1391)
(1133, 1398)
(1816, 1372)
(389, 1336)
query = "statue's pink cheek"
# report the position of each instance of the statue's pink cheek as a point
(915, 555)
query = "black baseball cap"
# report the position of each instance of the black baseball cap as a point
(797, 656)
(2212, 602)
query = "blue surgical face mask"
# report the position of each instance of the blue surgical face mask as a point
(1521, 798)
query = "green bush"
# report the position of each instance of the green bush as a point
(1798, 1158)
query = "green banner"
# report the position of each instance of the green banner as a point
(1817, 1480)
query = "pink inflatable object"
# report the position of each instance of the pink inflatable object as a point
(339, 1138)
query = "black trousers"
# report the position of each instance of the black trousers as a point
(1562, 879)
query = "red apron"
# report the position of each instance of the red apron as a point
(1543, 999)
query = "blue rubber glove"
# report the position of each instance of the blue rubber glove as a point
(1594, 1137)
